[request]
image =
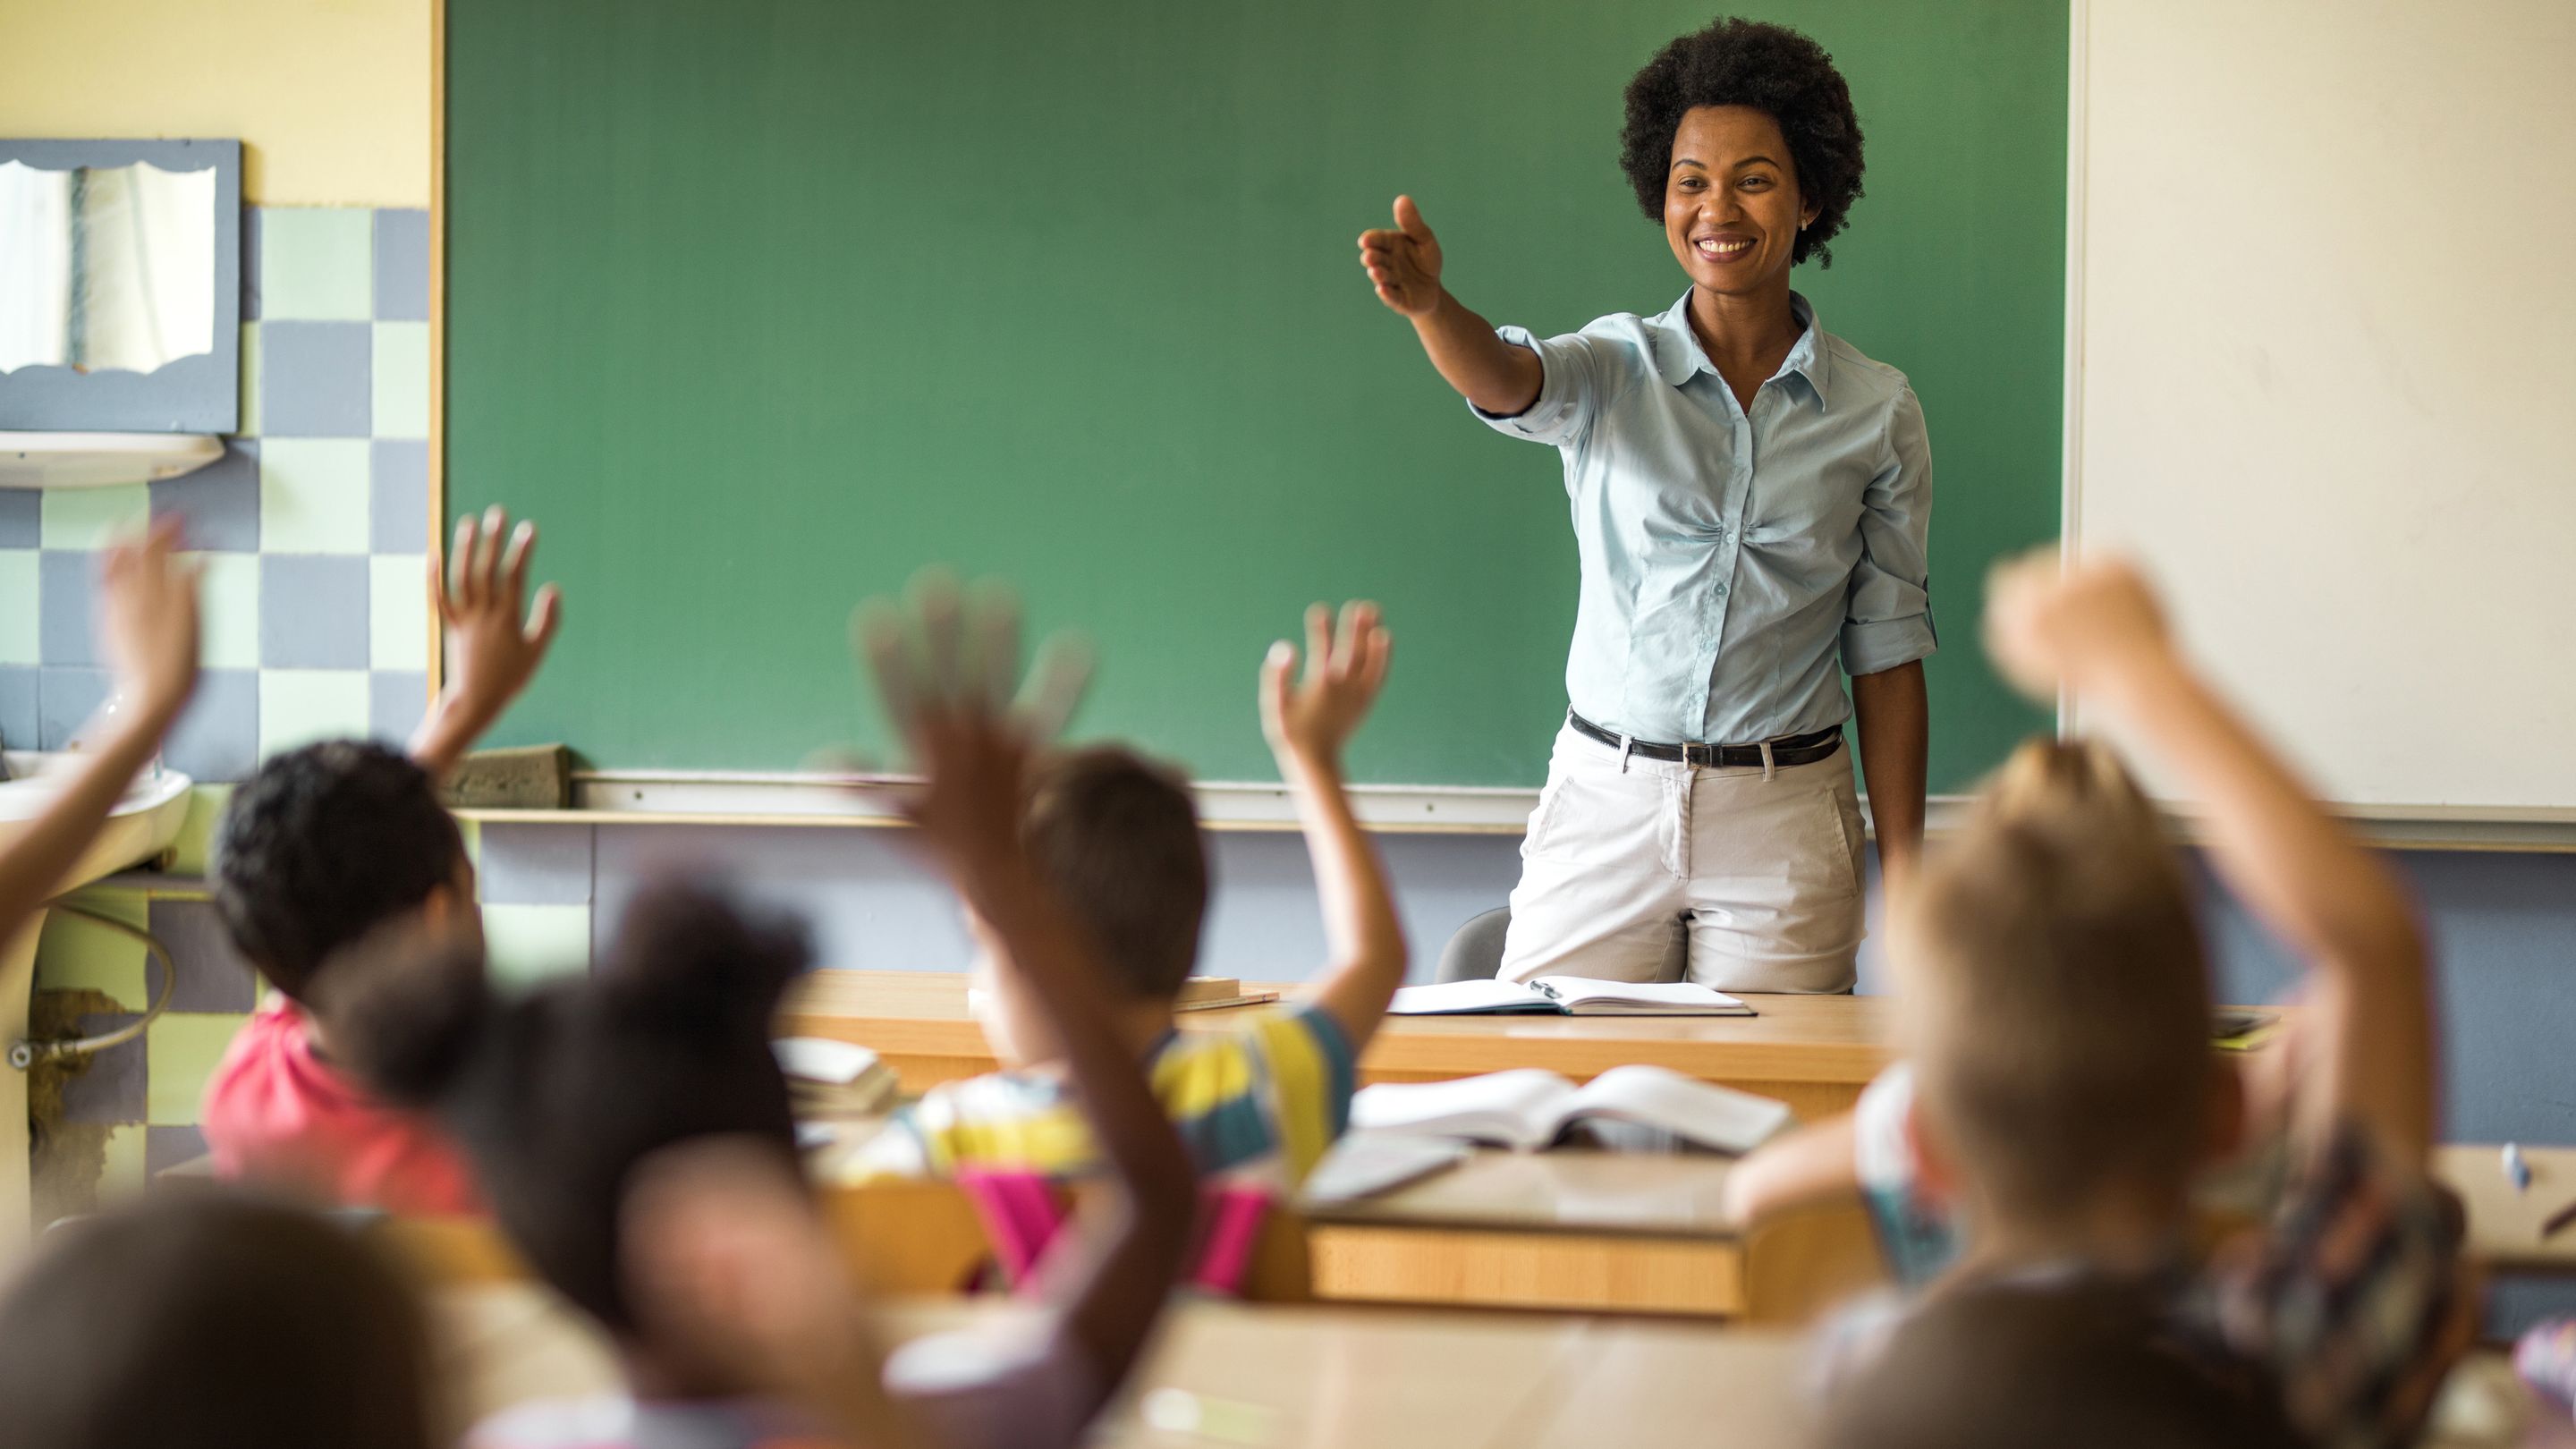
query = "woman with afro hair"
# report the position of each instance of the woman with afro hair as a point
(1751, 502)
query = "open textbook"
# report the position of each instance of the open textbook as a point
(1529, 1108)
(1566, 996)
(832, 1078)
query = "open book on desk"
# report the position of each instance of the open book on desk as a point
(1565, 996)
(1530, 1109)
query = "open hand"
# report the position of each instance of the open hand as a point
(1309, 720)
(147, 625)
(725, 1255)
(1403, 262)
(946, 664)
(480, 589)
(2076, 627)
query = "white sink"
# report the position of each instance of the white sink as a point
(141, 826)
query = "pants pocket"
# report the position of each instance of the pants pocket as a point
(1844, 805)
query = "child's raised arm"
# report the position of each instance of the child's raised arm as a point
(944, 671)
(1308, 720)
(2096, 629)
(1403, 264)
(148, 631)
(479, 593)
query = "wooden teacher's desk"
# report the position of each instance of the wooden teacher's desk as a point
(1813, 1052)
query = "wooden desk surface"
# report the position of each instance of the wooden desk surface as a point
(2504, 1225)
(1295, 1378)
(1815, 1052)
(1567, 1190)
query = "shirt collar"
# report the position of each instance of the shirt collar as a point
(1678, 354)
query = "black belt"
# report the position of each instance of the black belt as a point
(1803, 749)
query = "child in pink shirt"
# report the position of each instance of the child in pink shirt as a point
(326, 845)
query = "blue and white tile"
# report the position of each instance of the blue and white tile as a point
(316, 379)
(217, 739)
(218, 505)
(398, 496)
(313, 611)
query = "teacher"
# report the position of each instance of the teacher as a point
(1751, 499)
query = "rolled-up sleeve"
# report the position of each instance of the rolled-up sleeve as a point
(1566, 389)
(1887, 616)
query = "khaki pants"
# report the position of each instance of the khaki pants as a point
(1767, 866)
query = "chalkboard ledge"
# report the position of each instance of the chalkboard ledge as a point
(809, 801)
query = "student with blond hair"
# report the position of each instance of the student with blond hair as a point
(2056, 1008)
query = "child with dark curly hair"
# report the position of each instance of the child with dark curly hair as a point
(1752, 501)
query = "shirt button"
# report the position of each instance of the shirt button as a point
(1720, 591)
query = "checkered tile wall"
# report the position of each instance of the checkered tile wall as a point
(313, 530)
(313, 526)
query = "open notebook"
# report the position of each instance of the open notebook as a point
(1566, 996)
(1529, 1108)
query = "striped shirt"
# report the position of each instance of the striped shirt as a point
(1262, 1102)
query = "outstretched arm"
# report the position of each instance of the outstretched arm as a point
(148, 633)
(1308, 721)
(1808, 1165)
(479, 593)
(2097, 629)
(942, 671)
(1403, 264)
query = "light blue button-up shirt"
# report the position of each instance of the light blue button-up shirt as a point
(1727, 559)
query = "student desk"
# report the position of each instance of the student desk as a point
(2504, 1225)
(1291, 1378)
(1813, 1052)
(1572, 1229)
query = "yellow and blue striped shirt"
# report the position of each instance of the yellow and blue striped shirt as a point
(1263, 1102)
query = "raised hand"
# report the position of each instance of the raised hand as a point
(725, 1256)
(1403, 262)
(480, 589)
(494, 640)
(1309, 720)
(2078, 626)
(946, 664)
(147, 626)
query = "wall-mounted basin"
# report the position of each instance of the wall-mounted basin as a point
(139, 829)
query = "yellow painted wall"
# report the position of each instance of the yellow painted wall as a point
(330, 97)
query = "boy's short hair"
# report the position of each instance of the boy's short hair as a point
(2061, 1000)
(208, 1320)
(1118, 837)
(2017, 1366)
(323, 845)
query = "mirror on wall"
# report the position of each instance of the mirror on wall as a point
(120, 286)
(105, 266)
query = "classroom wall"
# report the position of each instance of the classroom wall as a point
(312, 529)
(330, 98)
(2504, 926)
(2374, 464)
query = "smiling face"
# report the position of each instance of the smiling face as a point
(1731, 203)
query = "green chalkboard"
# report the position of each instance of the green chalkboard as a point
(757, 305)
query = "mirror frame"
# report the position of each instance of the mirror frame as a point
(200, 393)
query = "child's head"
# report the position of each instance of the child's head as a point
(559, 1094)
(207, 1320)
(327, 843)
(2016, 1366)
(2058, 1002)
(1117, 837)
